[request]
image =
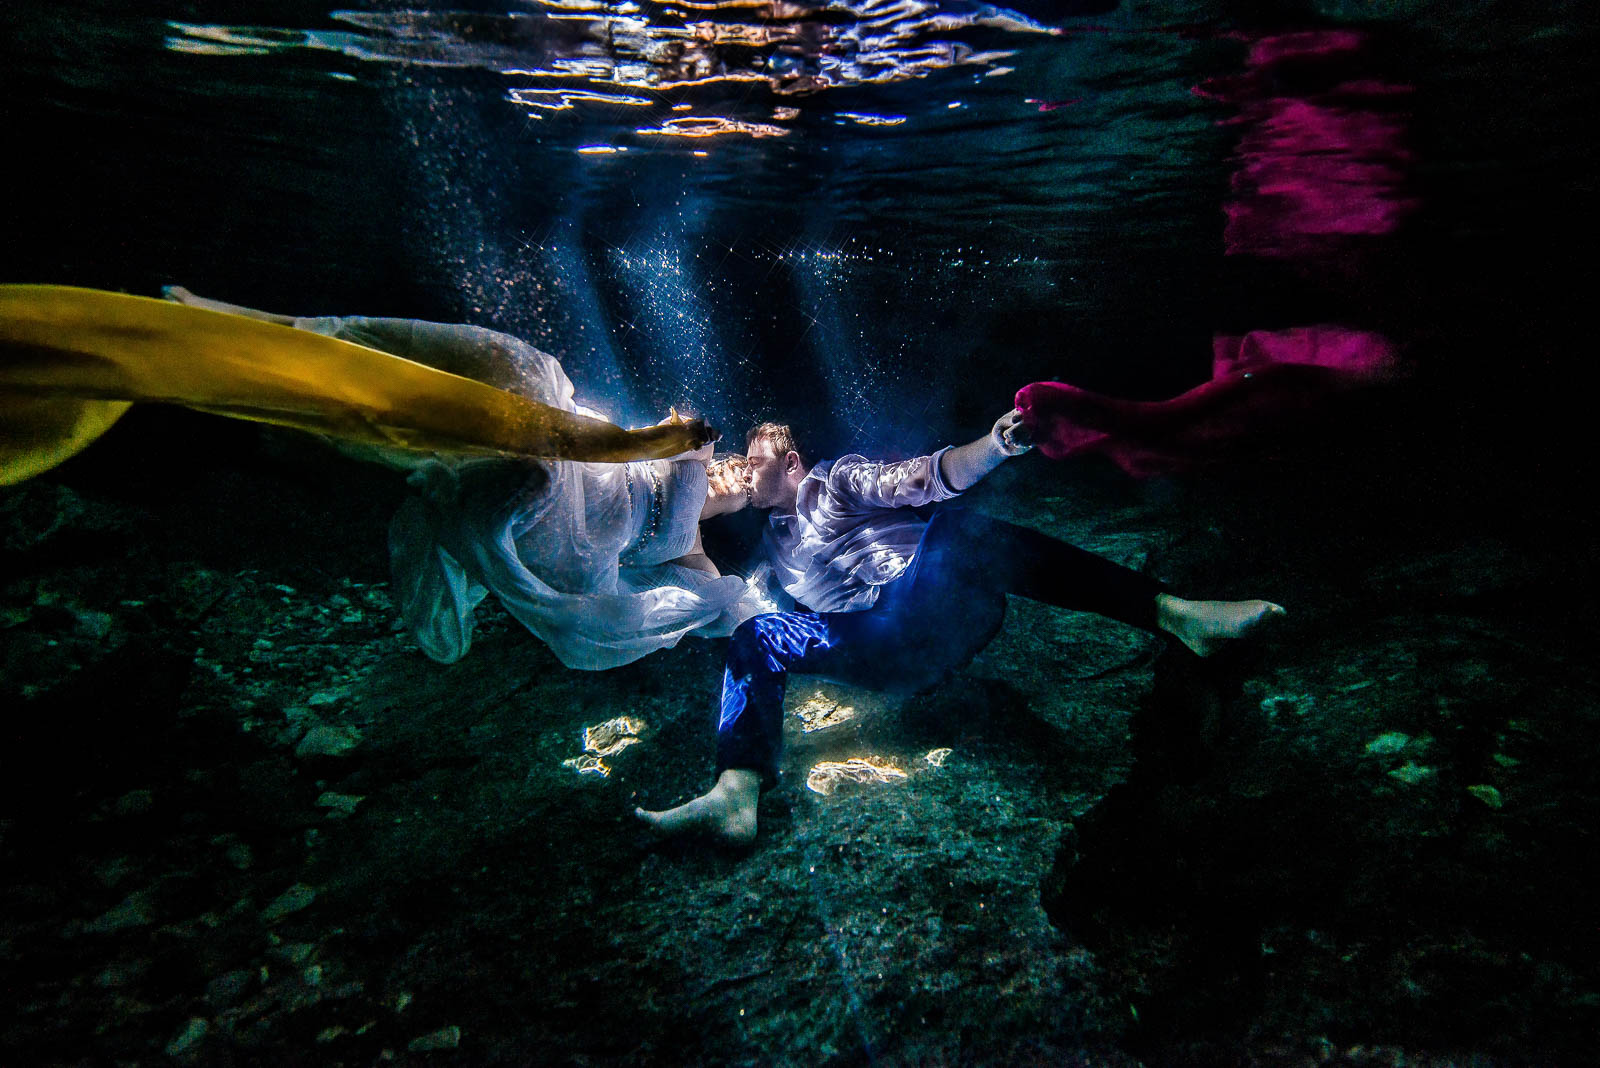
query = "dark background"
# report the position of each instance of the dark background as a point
(886, 288)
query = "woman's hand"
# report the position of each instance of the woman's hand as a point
(705, 434)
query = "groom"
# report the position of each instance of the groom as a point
(893, 601)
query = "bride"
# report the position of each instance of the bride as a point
(603, 562)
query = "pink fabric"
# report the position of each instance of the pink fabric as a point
(1262, 383)
(1312, 176)
(1317, 169)
(1320, 170)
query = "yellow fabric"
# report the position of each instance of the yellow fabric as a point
(72, 361)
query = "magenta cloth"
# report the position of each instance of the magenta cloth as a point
(1320, 167)
(1262, 383)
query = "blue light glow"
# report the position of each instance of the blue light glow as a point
(782, 637)
(792, 635)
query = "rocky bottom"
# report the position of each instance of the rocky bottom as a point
(245, 821)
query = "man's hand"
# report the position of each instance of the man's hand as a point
(964, 465)
(1010, 435)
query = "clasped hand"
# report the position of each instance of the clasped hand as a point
(1010, 434)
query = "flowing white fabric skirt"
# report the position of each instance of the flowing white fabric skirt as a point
(544, 537)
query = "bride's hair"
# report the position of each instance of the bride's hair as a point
(731, 462)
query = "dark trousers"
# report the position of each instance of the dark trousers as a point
(927, 623)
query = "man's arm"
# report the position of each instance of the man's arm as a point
(965, 465)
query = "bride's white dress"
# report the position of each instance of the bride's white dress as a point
(579, 553)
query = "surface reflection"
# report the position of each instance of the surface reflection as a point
(1323, 158)
(563, 54)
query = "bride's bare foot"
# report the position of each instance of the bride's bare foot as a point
(1206, 626)
(727, 813)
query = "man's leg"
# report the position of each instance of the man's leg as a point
(1207, 626)
(982, 552)
(934, 618)
(882, 647)
(726, 813)
(761, 654)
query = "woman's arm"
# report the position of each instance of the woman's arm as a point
(697, 559)
(183, 296)
(727, 490)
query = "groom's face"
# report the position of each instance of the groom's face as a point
(768, 487)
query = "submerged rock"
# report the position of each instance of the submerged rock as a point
(339, 806)
(444, 1038)
(189, 1038)
(228, 988)
(1487, 794)
(135, 910)
(1412, 774)
(326, 740)
(1385, 744)
(297, 897)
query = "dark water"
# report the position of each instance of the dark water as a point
(1054, 210)
(902, 219)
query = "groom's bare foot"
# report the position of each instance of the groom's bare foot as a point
(1206, 626)
(727, 813)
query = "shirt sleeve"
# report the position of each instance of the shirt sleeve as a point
(856, 482)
